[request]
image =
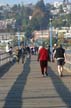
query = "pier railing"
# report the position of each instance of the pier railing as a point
(68, 62)
(4, 58)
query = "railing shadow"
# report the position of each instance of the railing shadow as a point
(61, 89)
(14, 97)
(5, 68)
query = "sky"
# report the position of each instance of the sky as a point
(11, 2)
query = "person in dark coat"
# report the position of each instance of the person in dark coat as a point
(19, 55)
(23, 51)
(59, 53)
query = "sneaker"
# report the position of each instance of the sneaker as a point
(61, 75)
(43, 75)
(46, 73)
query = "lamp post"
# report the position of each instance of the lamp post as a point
(41, 33)
(18, 26)
(30, 18)
(18, 34)
(56, 36)
(24, 40)
(51, 55)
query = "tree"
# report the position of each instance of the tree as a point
(40, 4)
(37, 17)
(61, 9)
(40, 16)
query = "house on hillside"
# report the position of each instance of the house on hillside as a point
(42, 34)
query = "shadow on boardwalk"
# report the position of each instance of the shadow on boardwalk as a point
(5, 68)
(14, 97)
(61, 89)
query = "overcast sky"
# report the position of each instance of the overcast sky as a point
(24, 1)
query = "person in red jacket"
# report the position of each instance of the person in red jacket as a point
(43, 58)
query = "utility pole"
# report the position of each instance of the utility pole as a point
(51, 50)
(18, 34)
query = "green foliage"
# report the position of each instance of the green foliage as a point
(62, 21)
(40, 4)
(28, 32)
(40, 15)
(61, 9)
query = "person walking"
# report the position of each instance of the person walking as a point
(59, 53)
(28, 52)
(43, 58)
(54, 47)
(18, 54)
(23, 50)
(54, 55)
(10, 54)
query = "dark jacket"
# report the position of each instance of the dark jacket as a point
(60, 52)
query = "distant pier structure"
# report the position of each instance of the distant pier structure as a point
(65, 1)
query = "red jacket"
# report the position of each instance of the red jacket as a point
(43, 54)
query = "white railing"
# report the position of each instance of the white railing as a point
(4, 58)
(67, 65)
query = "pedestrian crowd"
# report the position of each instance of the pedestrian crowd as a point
(17, 53)
(43, 56)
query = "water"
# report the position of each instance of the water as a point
(68, 51)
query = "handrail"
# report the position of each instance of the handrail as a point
(67, 65)
(4, 58)
(68, 58)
